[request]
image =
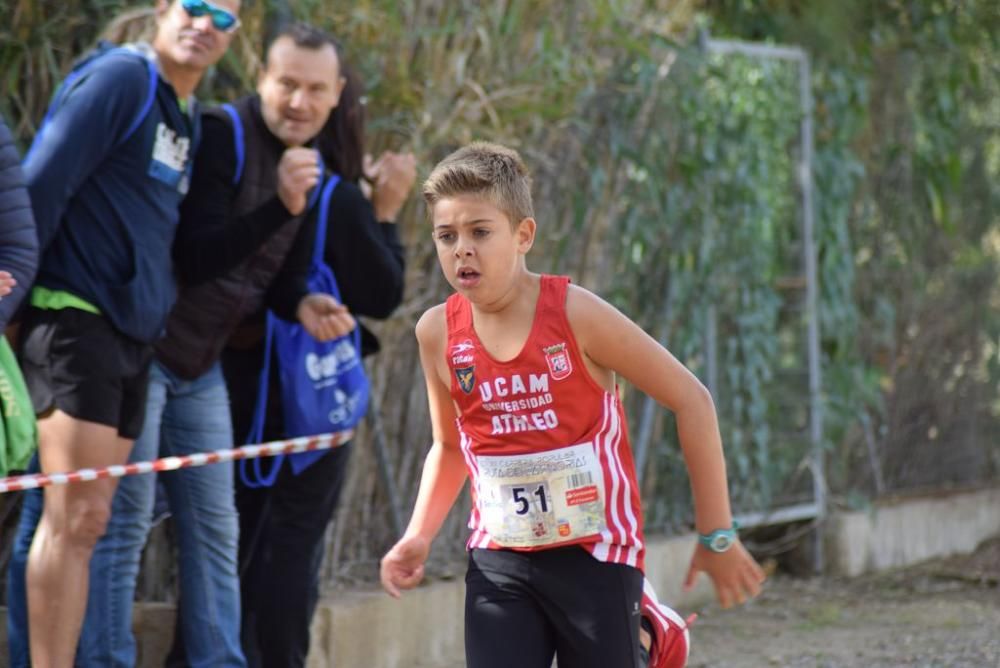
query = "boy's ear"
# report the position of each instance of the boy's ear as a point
(525, 234)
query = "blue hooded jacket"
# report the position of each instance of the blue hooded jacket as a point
(107, 209)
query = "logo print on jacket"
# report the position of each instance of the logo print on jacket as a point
(170, 158)
(558, 360)
(466, 378)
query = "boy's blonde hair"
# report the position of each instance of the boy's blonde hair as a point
(490, 171)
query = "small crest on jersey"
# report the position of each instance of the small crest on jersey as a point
(558, 359)
(466, 378)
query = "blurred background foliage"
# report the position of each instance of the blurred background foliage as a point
(665, 181)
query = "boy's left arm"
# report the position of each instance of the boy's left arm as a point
(609, 340)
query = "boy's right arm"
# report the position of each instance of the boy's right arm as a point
(444, 471)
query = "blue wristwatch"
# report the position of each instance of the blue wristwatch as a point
(719, 540)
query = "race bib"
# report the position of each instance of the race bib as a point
(543, 498)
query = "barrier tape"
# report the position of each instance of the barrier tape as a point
(270, 449)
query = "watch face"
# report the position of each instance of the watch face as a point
(721, 543)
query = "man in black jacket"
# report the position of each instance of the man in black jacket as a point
(282, 527)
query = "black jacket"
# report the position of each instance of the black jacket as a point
(237, 250)
(18, 239)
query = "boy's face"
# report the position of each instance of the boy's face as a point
(479, 250)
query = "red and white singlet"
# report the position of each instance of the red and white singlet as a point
(546, 447)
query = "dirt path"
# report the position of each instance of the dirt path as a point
(941, 614)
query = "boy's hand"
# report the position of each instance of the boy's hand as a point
(403, 565)
(324, 317)
(735, 574)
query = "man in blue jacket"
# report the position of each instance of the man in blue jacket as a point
(106, 176)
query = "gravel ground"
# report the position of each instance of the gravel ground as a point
(940, 614)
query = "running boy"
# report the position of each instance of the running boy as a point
(520, 371)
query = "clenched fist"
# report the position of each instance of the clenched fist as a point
(298, 172)
(403, 566)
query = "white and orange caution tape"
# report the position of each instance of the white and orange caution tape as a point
(286, 447)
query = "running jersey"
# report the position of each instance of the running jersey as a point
(546, 447)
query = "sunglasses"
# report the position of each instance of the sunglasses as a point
(222, 20)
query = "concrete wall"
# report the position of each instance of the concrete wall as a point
(422, 629)
(368, 629)
(908, 531)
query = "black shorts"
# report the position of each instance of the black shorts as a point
(524, 608)
(77, 362)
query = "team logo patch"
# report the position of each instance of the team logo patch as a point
(559, 362)
(466, 378)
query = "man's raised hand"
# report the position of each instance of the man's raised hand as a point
(298, 172)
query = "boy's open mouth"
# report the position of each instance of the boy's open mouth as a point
(468, 278)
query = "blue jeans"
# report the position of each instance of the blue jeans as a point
(17, 594)
(182, 417)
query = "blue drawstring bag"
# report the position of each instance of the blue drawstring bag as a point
(324, 387)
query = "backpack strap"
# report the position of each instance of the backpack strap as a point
(238, 137)
(152, 76)
(81, 70)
